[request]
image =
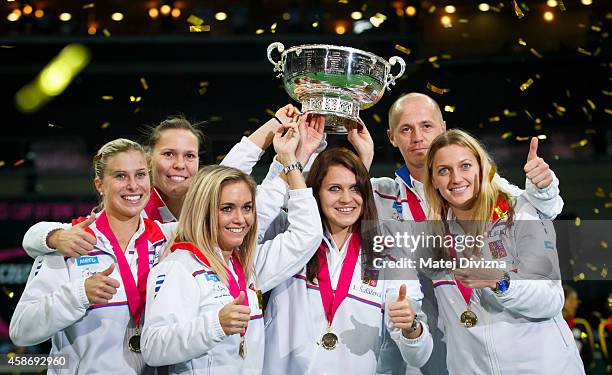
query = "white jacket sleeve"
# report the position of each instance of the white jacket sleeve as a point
(287, 253)
(535, 289)
(547, 200)
(35, 239)
(49, 303)
(415, 352)
(174, 331)
(269, 199)
(244, 155)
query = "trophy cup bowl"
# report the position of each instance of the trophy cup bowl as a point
(334, 81)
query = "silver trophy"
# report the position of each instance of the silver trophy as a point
(334, 81)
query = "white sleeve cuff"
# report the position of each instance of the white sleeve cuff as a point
(216, 329)
(78, 286)
(43, 244)
(300, 192)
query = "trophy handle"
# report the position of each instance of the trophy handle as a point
(277, 64)
(390, 79)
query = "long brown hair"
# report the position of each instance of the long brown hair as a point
(199, 217)
(368, 221)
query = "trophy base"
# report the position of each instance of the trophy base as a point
(341, 115)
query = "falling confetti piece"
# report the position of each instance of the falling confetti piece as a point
(604, 272)
(494, 119)
(464, 20)
(591, 104)
(437, 90)
(2, 163)
(608, 205)
(199, 29)
(591, 266)
(582, 143)
(432, 59)
(509, 113)
(144, 84)
(215, 118)
(254, 119)
(107, 97)
(517, 10)
(608, 111)
(402, 49)
(535, 53)
(449, 108)
(584, 52)
(195, 20)
(506, 135)
(431, 9)
(522, 139)
(446, 56)
(596, 210)
(606, 93)
(561, 5)
(106, 33)
(105, 125)
(559, 108)
(528, 114)
(273, 27)
(581, 276)
(220, 157)
(577, 221)
(315, 24)
(596, 28)
(7, 47)
(522, 42)
(542, 136)
(246, 133)
(377, 118)
(526, 85)
(590, 131)
(202, 90)
(436, 65)
(270, 112)
(259, 31)
(88, 6)
(604, 244)
(343, 1)
(135, 98)
(18, 162)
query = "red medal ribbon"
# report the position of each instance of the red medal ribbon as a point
(332, 299)
(234, 287)
(153, 204)
(414, 203)
(135, 293)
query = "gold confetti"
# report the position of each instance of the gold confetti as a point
(437, 90)
(253, 119)
(608, 111)
(596, 210)
(577, 221)
(343, 1)
(18, 162)
(195, 20)
(561, 5)
(259, 31)
(509, 113)
(600, 193)
(220, 157)
(606, 93)
(542, 136)
(604, 271)
(202, 90)
(537, 127)
(105, 125)
(535, 53)
(591, 266)
(596, 28)
(204, 83)
(494, 119)
(135, 98)
(2, 163)
(377, 118)
(449, 108)
(106, 33)
(215, 118)
(522, 139)
(144, 84)
(446, 56)
(432, 59)
(528, 114)
(107, 97)
(590, 131)
(517, 10)
(136, 110)
(9, 293)
(88, 6)
(522, 42)
(270, 112)
(199, 29)
(364, 7)
(431, 9)
(7, 47)
(591, 104)
(559, 108)
(402, 49)
(581, 143)
(436, 65)
(608, 205)
(604, 244)
(506, 135)
(315, 24)
(584, 51)
(273, 27)
(525, 86)
(463, 20)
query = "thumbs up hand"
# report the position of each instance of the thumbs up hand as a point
(403, 316)
(75, 241)
(100, 288)
(234, 317)
(537, 171)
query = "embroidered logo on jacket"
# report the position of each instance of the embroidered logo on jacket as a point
(85, 260)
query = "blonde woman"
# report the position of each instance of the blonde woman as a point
(497, 312)
(204, 307)
(91, 307)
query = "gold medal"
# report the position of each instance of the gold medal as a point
(134, 343)
(242, 348)
(468, 319)
(260, 298)
(329, 341)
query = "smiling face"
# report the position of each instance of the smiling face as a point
(174, 162)
(125, 184)
(456, 175)
(339, 197)
(415, 122)
(235, 214)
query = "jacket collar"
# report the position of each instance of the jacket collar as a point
(404, 174)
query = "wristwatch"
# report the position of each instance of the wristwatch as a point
(290, 167)
(503, 284)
